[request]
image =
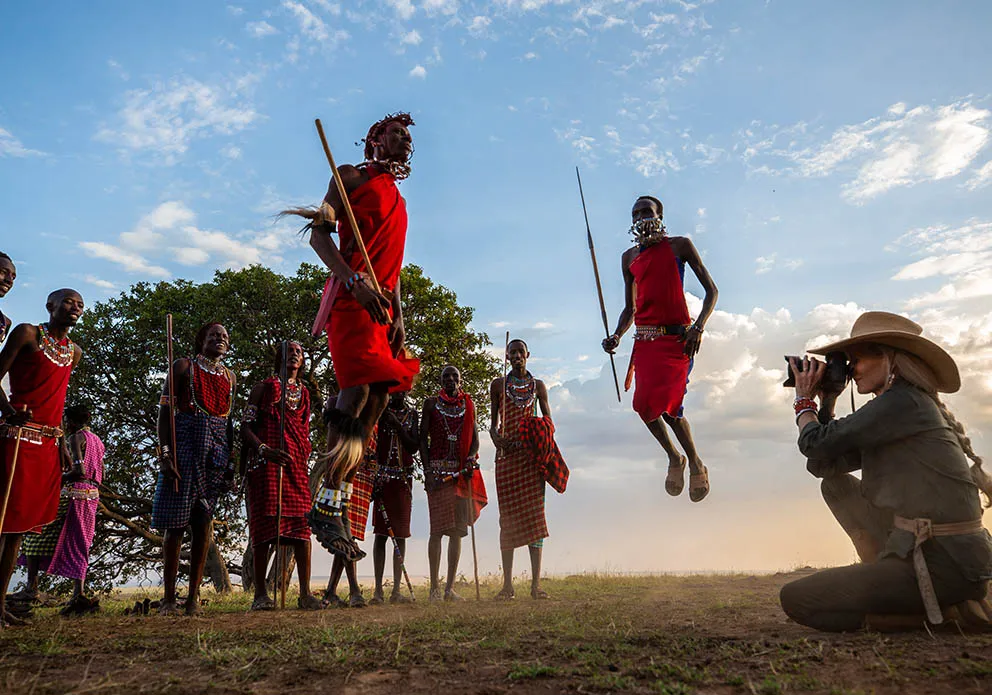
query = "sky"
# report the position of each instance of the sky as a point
(825, 158)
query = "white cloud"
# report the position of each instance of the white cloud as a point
(260, 29)
(147, 234)
(412, 38)
(311, 25)
(133, 263)
(12, 147)
(98, 282)
(231, 152)
(650, 160)
(446, 7)
(479, 25)
(905, 147)
(980, 178)
(962, 253)
(404, 8)
(235, 10)
(701, 213)
(543, 325)
(419, 72)
(530, 56)
(765, 264)
(118, 68)
(168, 117)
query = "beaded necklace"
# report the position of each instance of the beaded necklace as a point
(453, 411)
(391, 470)
(294, 394)
(211, 367)
(57, 352)
(520, 390)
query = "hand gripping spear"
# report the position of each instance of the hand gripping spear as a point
(599, 285)
(283, 383)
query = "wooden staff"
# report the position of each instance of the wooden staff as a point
(599, 285)
(471, 523)
(280, 565)
(10, 477)
(170, 379)
(343, 194)
(506, 371)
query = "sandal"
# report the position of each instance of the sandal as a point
(675, 480)
(539, 595)
(377, 600)
(168, 608)
(505, 595)
(452, 596)
(332, 600)
(332, 535)
(263, 603)
(434, 596)
(699, 485)
(309, 603)
(397, 597)
(356, 601)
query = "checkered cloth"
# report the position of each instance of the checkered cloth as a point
(361, 498)
(203, 458)
(449, 513)
(396, 497)
(519, 487)
(538, 435)
(42, 545)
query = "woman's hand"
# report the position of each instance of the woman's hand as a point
(809, 373)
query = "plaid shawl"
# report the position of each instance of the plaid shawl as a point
(538, 435)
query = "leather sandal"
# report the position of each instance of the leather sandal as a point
(675, 480)
(699, 485)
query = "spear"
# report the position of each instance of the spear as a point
(599, 285)
(283, 382)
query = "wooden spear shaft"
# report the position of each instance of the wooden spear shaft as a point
(343, 194)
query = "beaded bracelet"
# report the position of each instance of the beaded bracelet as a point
(350, 282)
(804, 404)
(803, 412)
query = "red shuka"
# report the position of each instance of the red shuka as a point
(36, 382)
(661, 365)
(360, 347)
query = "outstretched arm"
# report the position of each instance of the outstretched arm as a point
(694, 336)
(627, 315)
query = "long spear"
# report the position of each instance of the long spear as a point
(599, 285)
(343, 194)
(10, 478)
(283, 382)
(172, 400)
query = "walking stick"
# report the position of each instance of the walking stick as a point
(343, 194)
(392, 537)
(599, 285)
(502, 401)
(280, 565)
(10, 477)
(172, 400)
(475, 555)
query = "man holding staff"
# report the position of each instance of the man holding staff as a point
(39, 360)
(360, 310)
(666, 339)
(193, 477)
(260, 434)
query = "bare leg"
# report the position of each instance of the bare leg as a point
(434, 560)
(337, 567)
(379, 561)
(77, 588)
(301, 551)
(535, 569)
(397, 565)
(11, 544)
(173, 544)
(657, 428)
(260, 566)
(33, 568)
(680, 426)
(454, 554)
(202, 527)
(507, 590)
(355, 599)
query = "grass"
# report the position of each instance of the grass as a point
(599, 634)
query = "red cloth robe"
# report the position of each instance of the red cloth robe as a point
(661, 365)
(359, 347)
(38, 383)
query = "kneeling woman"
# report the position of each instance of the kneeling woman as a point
(915, 516)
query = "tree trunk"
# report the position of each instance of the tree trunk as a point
(216, 569)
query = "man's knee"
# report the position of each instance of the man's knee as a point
(795, 601)
(838, 488)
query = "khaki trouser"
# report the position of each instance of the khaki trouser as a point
(839, 599)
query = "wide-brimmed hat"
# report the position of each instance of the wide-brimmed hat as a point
(892, 330)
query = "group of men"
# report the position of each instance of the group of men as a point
(372, 432)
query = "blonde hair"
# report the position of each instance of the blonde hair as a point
(918, 373)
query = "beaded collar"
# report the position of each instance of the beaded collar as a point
(210, 366)
(450, 406)
(59, 352)
(520, 390)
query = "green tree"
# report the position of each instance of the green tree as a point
(124, 363)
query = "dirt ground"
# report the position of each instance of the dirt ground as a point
(674, 635)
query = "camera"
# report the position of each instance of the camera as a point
(835, 376)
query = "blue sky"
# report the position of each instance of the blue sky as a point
(824, 157)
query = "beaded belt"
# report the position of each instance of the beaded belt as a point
(654, 332)
(89, 493)
(30, 432)
(392, 473)
(445, 467)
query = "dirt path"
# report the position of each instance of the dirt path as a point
(598, 634)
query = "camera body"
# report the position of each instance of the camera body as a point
(835, 377)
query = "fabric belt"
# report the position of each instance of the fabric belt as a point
(30, 432)
(81, 494)
(652, 332)
(923, 530)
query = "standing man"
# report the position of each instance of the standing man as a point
(392, 495)
(364, 328)
(520, 486)
(666, 340)
(193, 477)
(8, 273)
(449, 450)
(39, 360)
(62, 549)
(260, 429)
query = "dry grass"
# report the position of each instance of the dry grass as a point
(671, 635)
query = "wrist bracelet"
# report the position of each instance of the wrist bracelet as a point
(804, 404)
(696, 327)
(803, 412)
(350, 282)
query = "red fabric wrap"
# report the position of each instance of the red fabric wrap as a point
(39, 384)
(359, 347)
(519, 485)
(396, 496)
(361, 497)
(661, 365)
(263, 477)
(211, 391)
(538, 435)
(443, 500)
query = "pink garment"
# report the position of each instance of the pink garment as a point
(71, 558)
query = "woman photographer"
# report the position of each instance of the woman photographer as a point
(916, 515)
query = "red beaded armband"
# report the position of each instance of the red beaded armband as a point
(802, 404)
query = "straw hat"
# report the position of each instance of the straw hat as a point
(892, 330)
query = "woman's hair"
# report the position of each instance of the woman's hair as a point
(78, 414)
(916, 372)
